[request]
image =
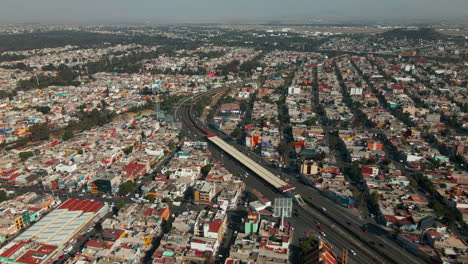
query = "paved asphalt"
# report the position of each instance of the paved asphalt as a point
(341, 225)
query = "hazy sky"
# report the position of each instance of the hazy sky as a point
(90, 11)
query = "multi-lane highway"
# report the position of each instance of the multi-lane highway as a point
(342, 227)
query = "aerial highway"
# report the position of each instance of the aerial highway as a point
(342, 228)
(265, 174)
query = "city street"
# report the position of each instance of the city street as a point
(339, 233)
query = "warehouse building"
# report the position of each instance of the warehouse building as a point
(44, 241)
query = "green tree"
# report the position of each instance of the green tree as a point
(206, 169)
(151, 197)
(171, 145)
(7, 94)
(82, 107)
(127, 187)
(43, 109)
(39, 131)
(179, 199)
(94, 118)
(284, 148)
(244, 105)
(120, 204)
(3, 196)
(231, 67)
(182, 134)
(211, 114)
(146, 91)
(284, 118)
(202, 104)
(236, 133)
(128, 150)
(438, 207)
(333, 141)
(374, 199)
(355, 171)
(273, 120)
(68, 134)
(251, 197)
(445, 132)
(104, 104)
(229, 99)
(311, 122)
(308, 243)
(168, 224)
(49, 67)
(250, 65)
(25, 155)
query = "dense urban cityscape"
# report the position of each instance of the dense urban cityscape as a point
(233, 144)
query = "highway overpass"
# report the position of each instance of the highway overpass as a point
(265, 174)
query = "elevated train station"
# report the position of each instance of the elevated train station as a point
(265, 174)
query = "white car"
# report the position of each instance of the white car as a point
(352, 252)
(323, 234)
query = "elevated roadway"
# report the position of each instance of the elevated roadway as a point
(265, 174)
(342, 229)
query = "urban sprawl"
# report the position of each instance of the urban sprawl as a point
(154, 144)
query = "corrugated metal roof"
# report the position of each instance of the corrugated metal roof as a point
(60, 225)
